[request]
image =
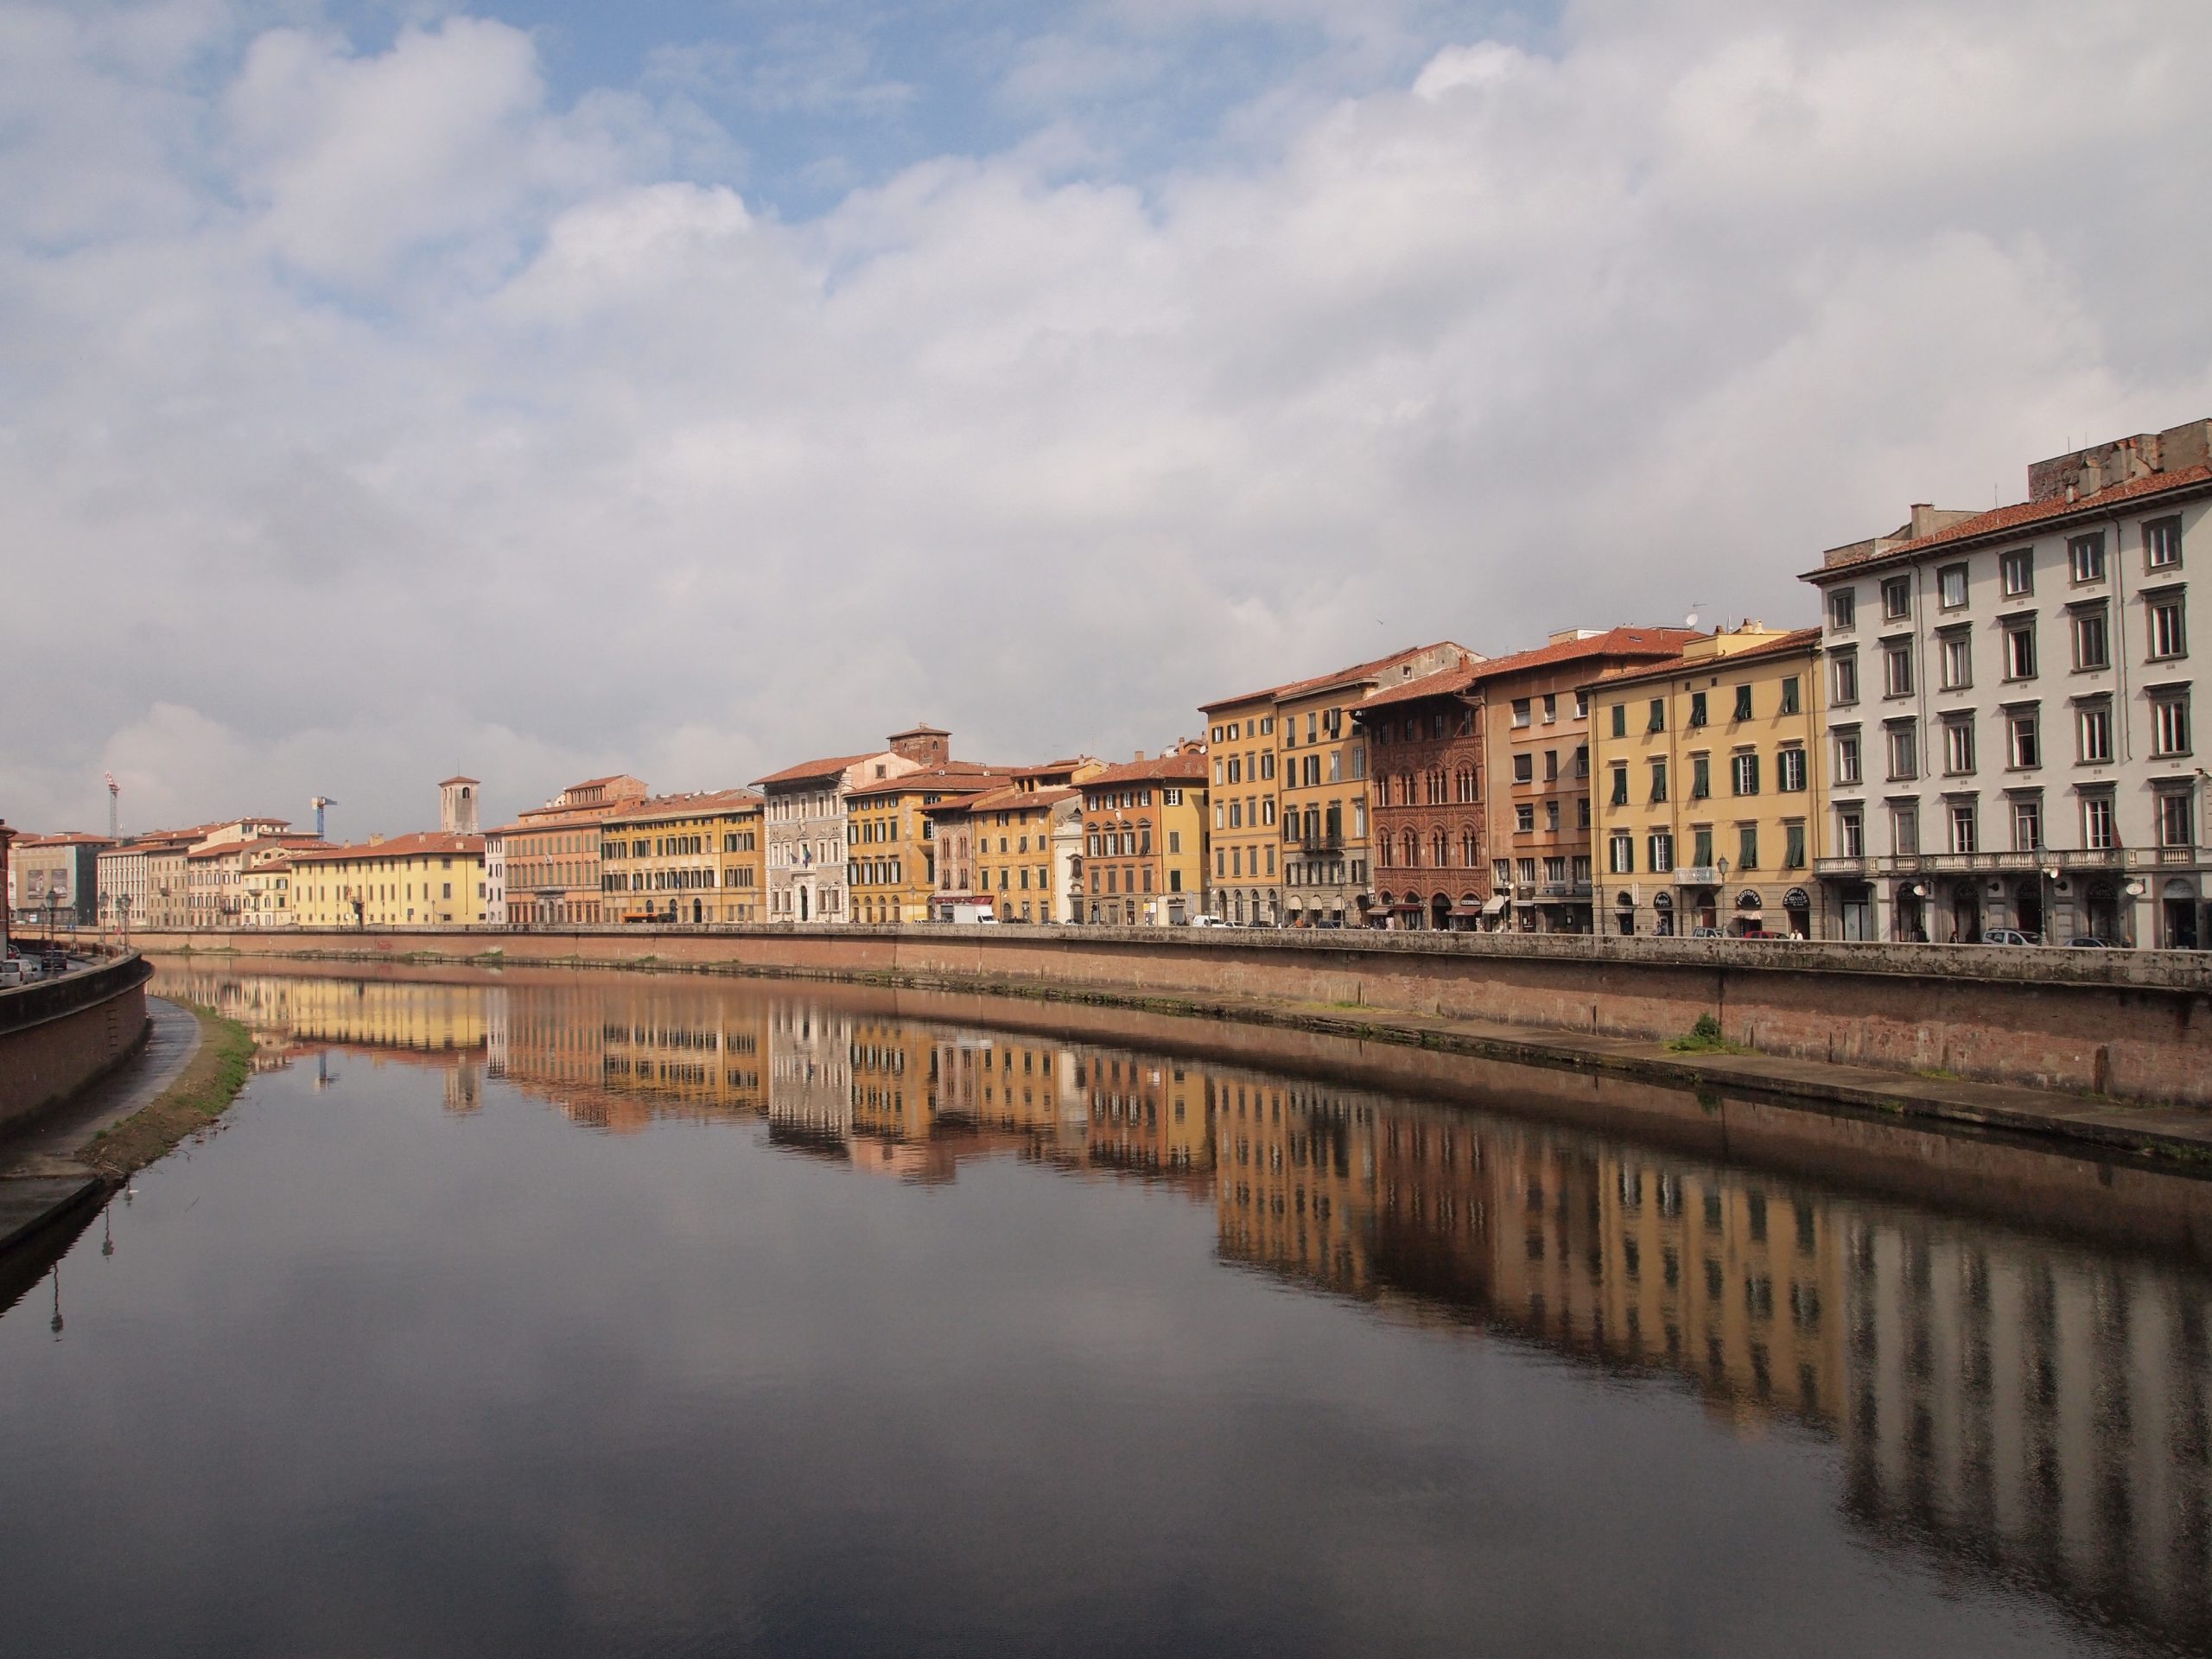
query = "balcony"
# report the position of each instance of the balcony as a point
(1324, 844)
(1567, 890)
(1841, 867)
(1697, 875)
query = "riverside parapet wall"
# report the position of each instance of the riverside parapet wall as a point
(57, 1035)
(2130, 1026)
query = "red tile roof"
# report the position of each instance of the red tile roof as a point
(1321, 681)
(1006, 800)
(2005, 520)
(428, 841)
(952, 774)
(1614, 642)
(1786, 644)
(679, 806)
(830, 767)
(457, 778)
(1189, 768)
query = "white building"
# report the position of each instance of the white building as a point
(803, 816)
(2011, 708)
(495, 880)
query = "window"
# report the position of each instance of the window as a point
(2162, 544)
(2091, 643)
(2023, 739)
(2169, 723)
(1846, 757)
(1551, 707)
(1524, 818)
(1958, 661)
(1790, 703)
(1793, 846)
(1964, 837)
(2021, 649)
(1524, 768)
(1743, 702)
(1620, 855)
(1789, 771)
(1897, 597)
(1897, 668)
(1744, 774)
(2092, 730)
(1520, 711)
(1658, 722)
(1582, 705)
(2027, 823)
(1658, 780)
(2100, 825)
(1843, 609)
(1851, 831)
(1905, 829)
(2169, 636)
(1701, 777)
(1620, 719)
(1904, 750)
(1551, 815)
(1701, 847)
(1551, 765)
(1951, 587)
(1697, 708)
(1844, 671)
(1620, 783)
(1958, 746)
(1661, 848)
(2017, 573)
(2085, 555)
(1747, 846)
(2177, 818)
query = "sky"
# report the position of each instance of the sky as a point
(539, 390)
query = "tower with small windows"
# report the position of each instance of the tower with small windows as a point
(457, 806)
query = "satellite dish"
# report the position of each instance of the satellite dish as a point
(1690, 622)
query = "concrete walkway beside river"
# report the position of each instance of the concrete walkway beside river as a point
(40, 1179)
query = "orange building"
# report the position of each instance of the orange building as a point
(1144, 832)
(553, 853)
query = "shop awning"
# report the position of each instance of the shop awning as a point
(1472, 910)
(1408, 904)
(1496, 905)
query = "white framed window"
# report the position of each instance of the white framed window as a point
(1965, 834)
(1620, 855)
(2162, 544)
(1958, 746)
(2170, 724)
(2023, 739)
(1904, 750)
(2100, 823)
(1744, 773)
(2092, 732)
(2177, 818)
(1958, 661)
(1661, 848)
(2020, 650)
(2092, 639)
(2017, 572)
(1897, 597)
(2168, 627)
(1897, 668)
(1843, 670)
(2085, 556)
(1951, 587)
(2027, 823)
(1790, 771)
(1851, 831)
(1846, 757)
(1843, 609)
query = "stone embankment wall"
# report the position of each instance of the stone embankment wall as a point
(57, 1035)
(2134, 1024)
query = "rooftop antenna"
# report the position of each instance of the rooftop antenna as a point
(114, 789)
(318, 802)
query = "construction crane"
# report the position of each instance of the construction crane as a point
(114, 789)
(320, 802)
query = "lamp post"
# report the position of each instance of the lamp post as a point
(1720, 893)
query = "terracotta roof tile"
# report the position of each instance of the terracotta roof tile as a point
(1614, 642)
(952, 774)
(1189, 768)
(2004, 520)
(428, 841)
(678, 806)
(1784, 645)
(827, 767)
(1317, 682)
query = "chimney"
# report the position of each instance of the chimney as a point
(1923, 519)
(1140, 754)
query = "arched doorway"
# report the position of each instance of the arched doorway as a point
(1966, 912)
(1440, 911)
(1386, 904)
(803, 899)
(2027, 904)
(2104, 912)
(1797, 907)
(698, 912)
(1662, 914)
(1750, 911)
(1624, 915)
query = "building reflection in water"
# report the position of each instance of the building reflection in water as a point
(2016, 1407)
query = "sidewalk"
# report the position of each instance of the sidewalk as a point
(41, 1179)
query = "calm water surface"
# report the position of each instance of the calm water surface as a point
(607, 1315)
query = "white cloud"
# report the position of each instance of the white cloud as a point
(381, 416)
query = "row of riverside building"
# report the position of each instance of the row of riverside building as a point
(1991, 727)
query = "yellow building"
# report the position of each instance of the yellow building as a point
(1144, 834)
(891, 837)
(422, 880)
(691, 859)
(266, 897)
(1707, 768)
(1014, 854)
(1247, 886)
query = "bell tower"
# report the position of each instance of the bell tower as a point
(457, 806)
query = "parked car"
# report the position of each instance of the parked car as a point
(17, 970)
(1204, 920)
(1706, 933)
(2010, 936)
(2088, 942)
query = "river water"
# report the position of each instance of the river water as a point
(553, 1314)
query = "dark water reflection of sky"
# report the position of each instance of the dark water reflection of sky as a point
(478, 1330)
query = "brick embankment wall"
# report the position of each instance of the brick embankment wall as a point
(56, 1036)
(2135, 1026)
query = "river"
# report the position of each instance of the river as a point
(548, 1313)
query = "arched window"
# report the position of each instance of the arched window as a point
(1413, 850)
(1441, 845)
